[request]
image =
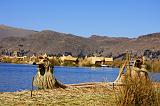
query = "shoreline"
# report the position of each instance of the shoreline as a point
(86, 85)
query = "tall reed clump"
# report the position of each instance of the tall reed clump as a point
(138, 93)
(154, 66)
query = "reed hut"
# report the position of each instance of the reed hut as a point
(45, 78)
(135, 72)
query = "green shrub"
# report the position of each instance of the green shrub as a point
(55, 62)
(6, 60)
(68, 63)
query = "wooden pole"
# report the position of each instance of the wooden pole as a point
(128, 69)
(32, 86)
(113, 86)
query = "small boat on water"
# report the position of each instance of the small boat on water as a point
(103, 65)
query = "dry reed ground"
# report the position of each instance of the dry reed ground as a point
(87, 94)
(84, 95)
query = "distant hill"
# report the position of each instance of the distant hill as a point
(57, 43)
(7, 31)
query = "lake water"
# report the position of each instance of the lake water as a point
(15, 77)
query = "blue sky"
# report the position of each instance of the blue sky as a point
(117, 18)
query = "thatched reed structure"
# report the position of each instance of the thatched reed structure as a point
(45, 78)
(132, 71)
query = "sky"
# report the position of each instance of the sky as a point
(114, 18)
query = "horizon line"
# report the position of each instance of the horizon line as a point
(76, 34)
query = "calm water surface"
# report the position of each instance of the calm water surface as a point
(15, 77)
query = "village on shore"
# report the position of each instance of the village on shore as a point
(64, 60)
(151, 58)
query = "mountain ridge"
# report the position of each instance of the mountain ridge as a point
(8, 31)
(53, 42)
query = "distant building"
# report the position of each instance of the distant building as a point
(108, 59)
(95, 60)
(68, 58)
(98, 60)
